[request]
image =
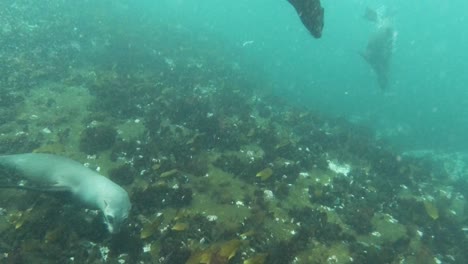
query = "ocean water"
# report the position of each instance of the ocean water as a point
(425, 105)
(238, 136)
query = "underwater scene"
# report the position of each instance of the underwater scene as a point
(240, 132)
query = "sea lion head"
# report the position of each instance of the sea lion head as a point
(115, 210)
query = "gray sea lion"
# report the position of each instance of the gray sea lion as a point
(45, 172)
(379, 52)
(311, 14)
(380, 46)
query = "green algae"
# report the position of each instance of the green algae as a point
(336, 253)
(386, 229)
(210, 125)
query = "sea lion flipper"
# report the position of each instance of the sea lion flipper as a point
(364, 56)
(311, 14)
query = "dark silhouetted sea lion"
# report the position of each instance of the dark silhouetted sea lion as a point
(311, 13)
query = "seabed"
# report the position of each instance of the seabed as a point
(218, 168)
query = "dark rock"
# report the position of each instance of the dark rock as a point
(97, 138)
(123, 175)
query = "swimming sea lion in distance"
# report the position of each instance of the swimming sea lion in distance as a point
(311, 14)
(46, 172)
(379, 52)
(380, 46)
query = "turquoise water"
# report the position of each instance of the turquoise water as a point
(200, 111)
(426, 104)
(424, 108)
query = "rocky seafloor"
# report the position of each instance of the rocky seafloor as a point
(218, 168)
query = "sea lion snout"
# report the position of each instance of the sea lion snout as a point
(112, 227)
(116, 212)
(113, 223)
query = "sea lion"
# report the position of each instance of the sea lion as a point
(380, 46)
(311, 14)
(46, 172)
(379, 53)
